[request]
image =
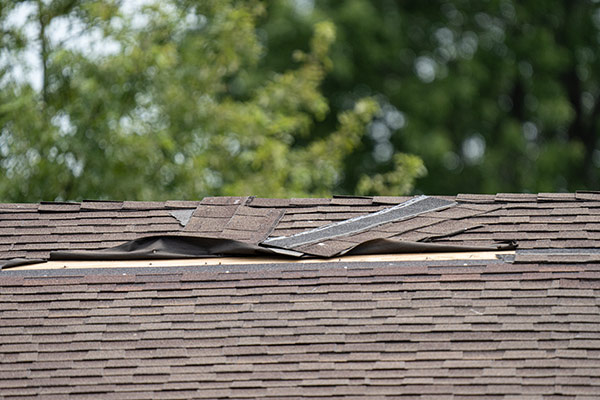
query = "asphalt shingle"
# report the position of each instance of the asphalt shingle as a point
(293, 327)
(524, 326)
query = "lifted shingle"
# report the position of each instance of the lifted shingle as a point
(355, 225)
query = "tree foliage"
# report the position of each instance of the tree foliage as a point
(184, 98)
(175, 103)
(495, 95)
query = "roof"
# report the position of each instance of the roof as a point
(521, 325)
(543, 221)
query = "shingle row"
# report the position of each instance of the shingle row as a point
(407, 330)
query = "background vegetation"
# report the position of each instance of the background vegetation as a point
(182, 99)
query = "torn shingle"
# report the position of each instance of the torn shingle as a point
(237, 222)
(355, 225)
(550, 221)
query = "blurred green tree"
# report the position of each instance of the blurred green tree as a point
(170, 100)
(494, 96)
(196, 98)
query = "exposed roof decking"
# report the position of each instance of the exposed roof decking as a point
(535, 221)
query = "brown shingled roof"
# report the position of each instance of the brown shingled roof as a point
(519, 326)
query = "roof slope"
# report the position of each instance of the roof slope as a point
(544, 221)
(520, 327)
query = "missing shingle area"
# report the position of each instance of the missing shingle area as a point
(408, 209)
(183, 216)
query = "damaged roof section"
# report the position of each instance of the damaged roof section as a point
(322, 227)
(424, 219)
(356, 225)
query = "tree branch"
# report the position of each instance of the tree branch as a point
(44, 50)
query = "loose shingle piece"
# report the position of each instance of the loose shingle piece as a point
(362, 223)
(532, 221)
(512, 325)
